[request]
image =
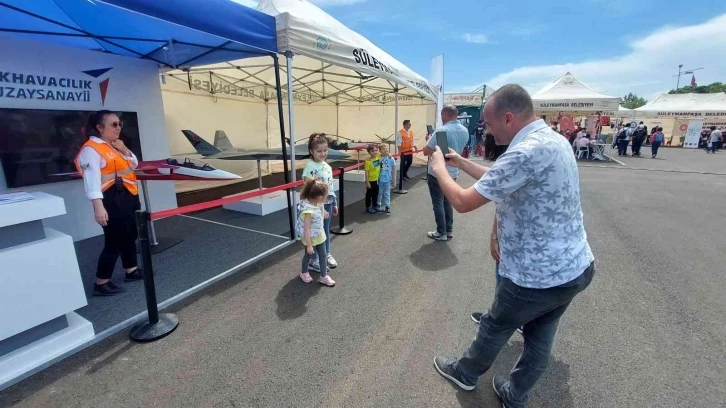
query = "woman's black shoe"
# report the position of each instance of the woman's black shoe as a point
(107, 289)
(138, 274)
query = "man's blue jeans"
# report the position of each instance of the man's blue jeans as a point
(443, 212)
(539, 311)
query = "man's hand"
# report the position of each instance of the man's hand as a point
(368, 185)
(326, 215)
(335, 211)
(437, 159)
(454, 158)
(494, 248)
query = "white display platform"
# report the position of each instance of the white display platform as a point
(355, 175)
(35, 354)
(265, 204)
(360, 175)
(43, 206)
(40, 281)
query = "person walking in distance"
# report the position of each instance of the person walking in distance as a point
(655, 141)
(457, 136)
(545, 259)
(404, 141)
(715, 137)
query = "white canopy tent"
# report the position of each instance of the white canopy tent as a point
(338, 82)
(331, 92)
(305, 30)
(685, 105)
(568, 94)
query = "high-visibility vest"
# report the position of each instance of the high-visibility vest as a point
(116, 166)
(406, 140)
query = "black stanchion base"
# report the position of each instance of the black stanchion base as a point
(340, 231)
(145, 332)
(400, 191)
(164, 243)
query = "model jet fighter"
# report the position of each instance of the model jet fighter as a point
(223, 149)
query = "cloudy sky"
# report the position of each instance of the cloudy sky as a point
(614, 46)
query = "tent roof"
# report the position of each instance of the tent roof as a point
(174, 33)
(567, 93)
(691, 104)
(306, 30)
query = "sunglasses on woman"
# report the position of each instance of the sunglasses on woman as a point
(118, 124)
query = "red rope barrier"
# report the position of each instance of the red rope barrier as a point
(216, 203)
(250, 194)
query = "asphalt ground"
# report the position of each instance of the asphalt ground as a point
(648, 332)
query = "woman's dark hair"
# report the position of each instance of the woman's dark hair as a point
(315, 140)
(660, 129)
(95, 119)
(313, 189)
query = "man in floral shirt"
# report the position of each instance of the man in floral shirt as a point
(544, 257)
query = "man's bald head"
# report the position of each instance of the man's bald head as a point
(449, 113)
(512, 98)
(507, 111)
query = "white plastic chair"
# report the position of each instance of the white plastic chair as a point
(585, 150)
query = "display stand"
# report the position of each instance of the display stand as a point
(267, 203)
(40, 287)
(158, 244)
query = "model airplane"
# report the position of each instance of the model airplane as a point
(171, 169)
(223, 149)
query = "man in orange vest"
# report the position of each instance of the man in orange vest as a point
(404, 141)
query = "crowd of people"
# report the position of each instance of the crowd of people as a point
(635, 135)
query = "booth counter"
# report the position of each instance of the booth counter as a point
(40, 287)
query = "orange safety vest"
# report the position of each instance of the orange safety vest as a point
(406, 140)
(116, 165)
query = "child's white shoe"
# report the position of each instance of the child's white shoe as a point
(326, 280)
(306, 277)
(331, 262)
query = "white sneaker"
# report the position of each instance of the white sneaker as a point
(435, 235)
(331, 262)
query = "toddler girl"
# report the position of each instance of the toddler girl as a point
(310, 228)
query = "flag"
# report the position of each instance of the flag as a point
(693, 80)
(437, 80)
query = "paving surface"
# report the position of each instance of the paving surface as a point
(648, 332)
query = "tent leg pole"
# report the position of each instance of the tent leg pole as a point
(291, 118)
(259, 173)
(286, 174)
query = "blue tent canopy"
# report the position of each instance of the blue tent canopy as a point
(174, 33)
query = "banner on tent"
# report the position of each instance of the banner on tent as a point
(717, 123)
(704, 114)
(222, 87)
(693, 133)
(463, 99)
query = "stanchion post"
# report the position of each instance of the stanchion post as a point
(341, 229)
(158, 325)
(400, 189)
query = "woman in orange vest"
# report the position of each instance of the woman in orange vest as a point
(107, 166)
